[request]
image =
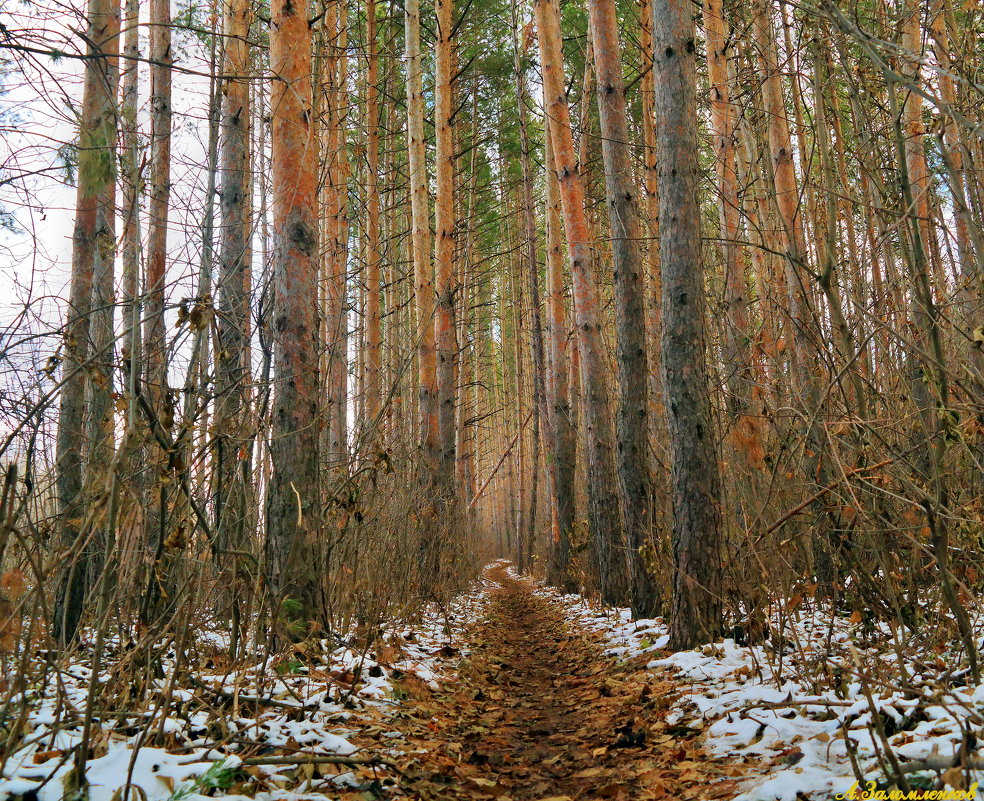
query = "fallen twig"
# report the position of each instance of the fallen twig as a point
(317, 759)
(803, 702)
(941, 763)
(227, 696)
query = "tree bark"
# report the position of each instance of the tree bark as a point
(445, 224)
(294, 505)
(651, 214)
(541, 417)
(736, 337)
(232, 441)
(695, 476)
(420, 250)
(558, 388)
(336, 322)
(603, 501)
(630, 319)
(160, 198)
(373, 322)
(93, 240)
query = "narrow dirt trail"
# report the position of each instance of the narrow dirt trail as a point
(537, 712)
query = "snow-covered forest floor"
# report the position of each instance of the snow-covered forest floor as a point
(512, 692)
(259, 731)
(816, 706)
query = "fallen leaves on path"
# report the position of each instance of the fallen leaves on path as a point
(538, 713)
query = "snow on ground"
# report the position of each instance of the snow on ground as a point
(309, 704)
(783, 711)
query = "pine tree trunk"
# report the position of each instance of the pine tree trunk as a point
(131, 189)
(160, 198)
(294, 504)
(233, 440)
(603, 500)
(93, 240)
(336, 313)
(133, 544)
(695, 476)
(514, 307)
(429, 412)
(630, 319)
(558, 389)
(445, 224)
(373, 321)
(736, 338)
(420, 250)
(541, 417)
(651, 214)
(467, 413)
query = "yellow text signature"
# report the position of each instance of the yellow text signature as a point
(870, 792)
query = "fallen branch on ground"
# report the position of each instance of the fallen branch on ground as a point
(317, 759)
(247, 699)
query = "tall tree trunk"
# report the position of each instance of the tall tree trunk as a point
(736, 336)
(651, 213)
(133, 550)
(340, 380)
(131, 189)
(541, 416)
(558, 389)
(233, 439)
(294, 505)
(158, 397)
(420, 248)
(603, 501)
(514, 308)
(429, 413)
(325, 100)
(630, 319)
(336, 312)
(160, 199)
(695, 476)
(373, 321)
(467, 414)
(196, 407)
(444, 224)
(93, 241)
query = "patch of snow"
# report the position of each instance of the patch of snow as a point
(313, 709)
(765, 706)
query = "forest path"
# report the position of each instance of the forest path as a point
(538, 712)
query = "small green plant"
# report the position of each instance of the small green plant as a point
(399, 693)
(219, 776)
(292, 617)
(286, 666)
